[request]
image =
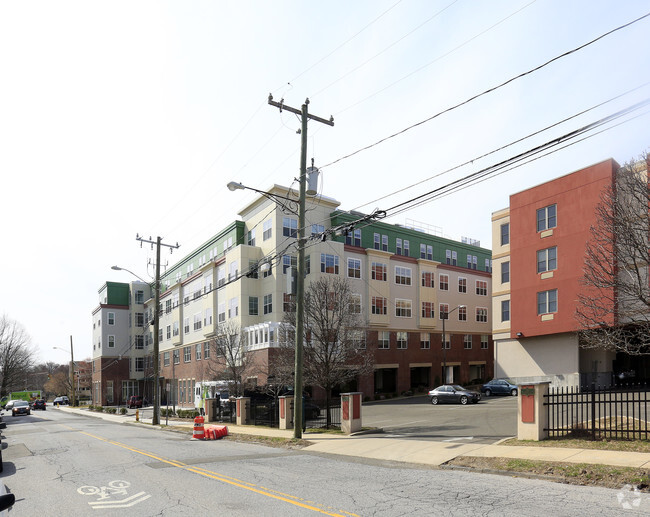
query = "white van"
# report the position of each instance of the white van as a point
(210, 390)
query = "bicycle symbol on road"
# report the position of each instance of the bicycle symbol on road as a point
(113, 488)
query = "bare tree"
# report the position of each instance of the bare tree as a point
(613, 311)
(16, 355)
(335, 351)
(228, 362)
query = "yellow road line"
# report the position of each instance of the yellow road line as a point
(223, 478)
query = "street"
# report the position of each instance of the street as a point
(65, 464)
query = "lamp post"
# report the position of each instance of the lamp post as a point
(444, 344)
(156, 322)
(71, 369)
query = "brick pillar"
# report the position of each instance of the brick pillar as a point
(243, 410)
(286, 411)
(532, 415)
(351, 412)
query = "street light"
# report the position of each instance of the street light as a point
(71, 369)
(280, 200)
(444, 344)
(156, 322)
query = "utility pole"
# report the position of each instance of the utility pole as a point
(300, 282)
(156, 324)
(72, 372)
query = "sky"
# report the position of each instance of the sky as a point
(120, 118)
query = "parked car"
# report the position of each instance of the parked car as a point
(61, 401)
(20, 407)
(39, 404)
(454, 394)
(499, 387)
(136, 401)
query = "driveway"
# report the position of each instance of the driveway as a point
(488, 421)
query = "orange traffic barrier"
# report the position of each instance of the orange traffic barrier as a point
(215, 432)
(199, 431)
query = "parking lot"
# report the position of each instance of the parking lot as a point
(488, 421)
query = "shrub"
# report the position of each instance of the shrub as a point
(91, 407)
(123, 411)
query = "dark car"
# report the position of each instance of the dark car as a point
(21, 407)
(453, 394)
(63, 400)
(499, 387)
(39, 404)
(136, 401)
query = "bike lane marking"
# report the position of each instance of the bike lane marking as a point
(296, 501)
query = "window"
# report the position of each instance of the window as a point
(329, 263)
(467, 341)
(317, 229)
(139, 342)
(402, 275)
(383, 340)
(428, 310)
(169, 332)
(428, 279)
(198, 352)
(443, 282)
(197, 321)
(355, 303)
(547, 302)
(111, 318)
(206, 350)
(505, 234)
(234, 270)
(233, 307)
(267, 230)
(384, 242)
(546, 218)
(221, 312)
(289, 227)
(547, 259)
(398, 246)
(166, 359)
(168, 306)
(379, 305)
(379, 271)
(139, 296)
(177, 356)
(505, 272)
(353, 238)
(402, 308)
(208, 317)
(186, 325)
(462, 313)
(288, 303)
(481, 287)
(139, 319)
(139, 364)
(425, 340)
(448, 257)
(444, 311)
(484, 341)
(481, 314)
(377, 242)
(221, 276)
(187, 354)
(406, 248)
(354, 268)
(176, 328)
(402, 340)
(267, 272)
(454, 258)
(488, 265)
(462, 285)
(505, 310)
(268, 303)
(251, 237)
(253, 303)
(423, 251)
(111, 341)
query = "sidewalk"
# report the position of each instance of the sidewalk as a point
(383, 447)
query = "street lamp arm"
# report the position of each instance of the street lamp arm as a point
(280, 200)
(118, 268)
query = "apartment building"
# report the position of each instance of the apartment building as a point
(538, 257)
(403, 281)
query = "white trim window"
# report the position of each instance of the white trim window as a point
(383, 340)
(547, 302)
(267, 230)
(546, 218)
(403, 308)
(467, 342)
(402, 275)
(354, 268)
(425, 340)
(402, 340)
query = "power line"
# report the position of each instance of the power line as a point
(489, 90)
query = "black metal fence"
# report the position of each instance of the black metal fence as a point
(599, 412)
(316, 414)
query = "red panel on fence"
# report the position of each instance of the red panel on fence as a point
(345, 408)
(356, 407)
(527, 396)
(282, 403)
(239, 408)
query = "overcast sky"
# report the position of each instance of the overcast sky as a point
(119, 118)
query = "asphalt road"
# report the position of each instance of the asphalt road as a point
(65, 464)
(489, 421)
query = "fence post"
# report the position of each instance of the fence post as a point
(593, 411)
(243, 410)
(286, 412)
(532, 419)
(351, 412)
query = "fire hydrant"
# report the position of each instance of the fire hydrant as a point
(137, 415)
